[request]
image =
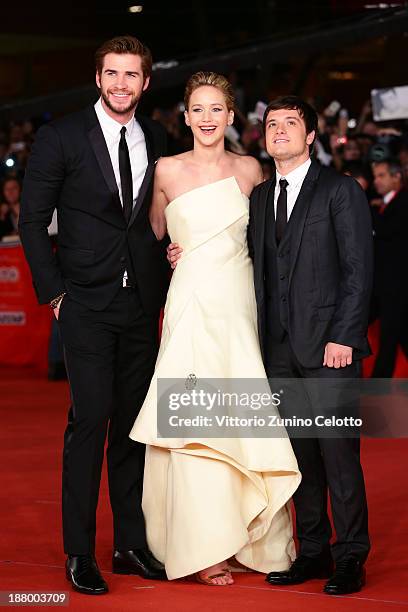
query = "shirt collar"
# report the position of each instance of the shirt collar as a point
(110, 125)
(296, 176)
(389, 196)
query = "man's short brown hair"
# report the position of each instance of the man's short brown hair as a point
(125, 44)
(305, 110)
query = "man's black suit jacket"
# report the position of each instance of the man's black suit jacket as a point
(390, 247)
(331, 264)
(70, 169)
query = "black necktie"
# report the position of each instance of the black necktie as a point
(281, 210)
(126, 180)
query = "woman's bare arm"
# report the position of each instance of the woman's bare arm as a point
(159, 202)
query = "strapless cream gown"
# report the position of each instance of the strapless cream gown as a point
(205, 500)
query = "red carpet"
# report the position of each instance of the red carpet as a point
(33, 414)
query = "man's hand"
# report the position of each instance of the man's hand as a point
(173, 254)
(337, 355)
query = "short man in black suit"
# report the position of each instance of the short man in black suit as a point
(310, 238)
(106, 285)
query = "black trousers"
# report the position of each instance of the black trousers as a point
(327, 465)
(110, 357)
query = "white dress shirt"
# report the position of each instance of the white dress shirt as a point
(137, 150)
(389, 196)
(295, 181)
(136, 144)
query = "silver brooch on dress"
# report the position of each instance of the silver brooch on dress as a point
(191, 382)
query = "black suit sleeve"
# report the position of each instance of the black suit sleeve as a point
(353, 230)
(42, 184)
(393, 226)
(251, 224)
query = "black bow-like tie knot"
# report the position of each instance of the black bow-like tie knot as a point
(125, 171)
(281, 210)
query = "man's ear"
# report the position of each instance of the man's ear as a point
(310, 137)
(98, 80)
(146, 83)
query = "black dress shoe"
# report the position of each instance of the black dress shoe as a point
(84, 575)
(302, 569)
(348, 577)
(140, 562)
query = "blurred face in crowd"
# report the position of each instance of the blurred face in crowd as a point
(208, 115)
(11, 191)
(121, 83)
(16, 133)
(286, 138)
(384, 181)
(369, 128)
(351, 151)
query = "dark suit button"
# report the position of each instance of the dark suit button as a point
(122, 259)
(283, 298)
(282, 277)
(280, 254)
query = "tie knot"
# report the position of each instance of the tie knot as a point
(123, 132)
(283, 183)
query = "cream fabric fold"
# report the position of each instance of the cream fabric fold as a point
(206, 500)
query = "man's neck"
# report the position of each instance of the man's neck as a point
(285, 166)
(123, 119)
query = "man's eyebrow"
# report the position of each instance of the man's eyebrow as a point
(287, 117)
(126, 71)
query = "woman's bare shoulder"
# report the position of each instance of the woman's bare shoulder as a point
(249, 168)
(249, 164)
(167, 166)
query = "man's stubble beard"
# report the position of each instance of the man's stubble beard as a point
(122, 111)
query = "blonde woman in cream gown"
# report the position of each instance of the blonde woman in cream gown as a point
(208, 500)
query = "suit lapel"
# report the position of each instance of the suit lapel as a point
(143, 190)
(392, 205)
(148, 138)
(100, 149)
(149, 170)
(300, 211)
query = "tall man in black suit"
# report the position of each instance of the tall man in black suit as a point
(106, 285)
(390, 221)
(310, 239)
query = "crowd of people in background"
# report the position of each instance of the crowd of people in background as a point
(374, 153)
